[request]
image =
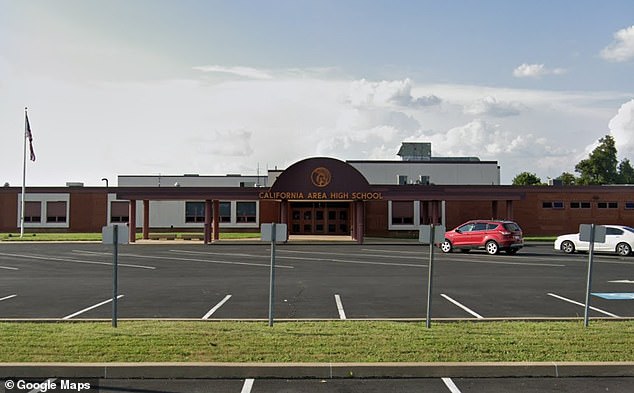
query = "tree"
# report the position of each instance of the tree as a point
(527, 179)
(600, 166)
(567, 179)
(626, 172)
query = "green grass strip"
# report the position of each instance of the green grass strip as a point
(337, 341)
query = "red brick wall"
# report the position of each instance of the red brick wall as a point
(9, 212)
(269, 212)
(376, 216)
(537, 220)
(87, 211)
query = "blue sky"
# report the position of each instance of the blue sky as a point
(147, 87)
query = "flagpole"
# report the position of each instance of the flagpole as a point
(23, 176)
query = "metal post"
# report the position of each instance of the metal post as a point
(589, 282)
(431, 270)
(115, 236)
(272, 275)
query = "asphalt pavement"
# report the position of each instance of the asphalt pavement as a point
(64, 281)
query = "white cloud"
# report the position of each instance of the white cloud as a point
(478, 138)
(190, 126)
(245, 72)
(388, 93)
(228, 143)
(622, 129)
(492, 107)
(536, 71)
(622, 49)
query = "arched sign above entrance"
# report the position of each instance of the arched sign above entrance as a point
(321, 178)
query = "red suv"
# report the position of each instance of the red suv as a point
(492, 235)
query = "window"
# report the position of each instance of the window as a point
(119, 211)
(424, 180)
(613, 231)
(491, 227)
(629, 205)
(607, 205)
(513, 227)
(246, 212)
(580, 205)
(553, 205)
(32, 212)
(402, 179)
(56, 211)
(402, 213)
(194, 211)
(466, 227)
(225, 211)
(480, 226)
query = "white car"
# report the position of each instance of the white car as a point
(619, 239)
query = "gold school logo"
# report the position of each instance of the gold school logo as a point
(321, 177)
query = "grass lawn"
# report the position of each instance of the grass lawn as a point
(336, 341)
(540, 238)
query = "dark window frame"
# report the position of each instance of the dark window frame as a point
(555, 205)
(51, 217)
(251, 216)
(198, 215)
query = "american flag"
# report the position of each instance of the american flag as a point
(30, 136)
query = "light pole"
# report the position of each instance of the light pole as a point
(107, 195)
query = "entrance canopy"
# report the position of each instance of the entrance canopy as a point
(318, 179)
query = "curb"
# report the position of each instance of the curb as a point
(315, 370)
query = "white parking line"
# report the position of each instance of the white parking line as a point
(503, 262)
(342, 314)
(206, 260)
(90, 308)
(9, 268)
(419, 256)
(222, 253)
(7, 297)
(462, 306)
(216, 307)
(350, 261)
(38, 257)
(391, 251)
(452, 386)
(248, 385)
(583, 305)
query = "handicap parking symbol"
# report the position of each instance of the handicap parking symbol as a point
(616, 296)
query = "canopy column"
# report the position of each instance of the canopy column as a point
(132, 221)
(353, 220)
(435, 212)
(424, 212)
(284, 215)
(360, 221)
(208, 215)
(146, 219)
(216, 219)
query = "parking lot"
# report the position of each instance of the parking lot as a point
(231, 281)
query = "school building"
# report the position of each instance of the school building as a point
(320, 196)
